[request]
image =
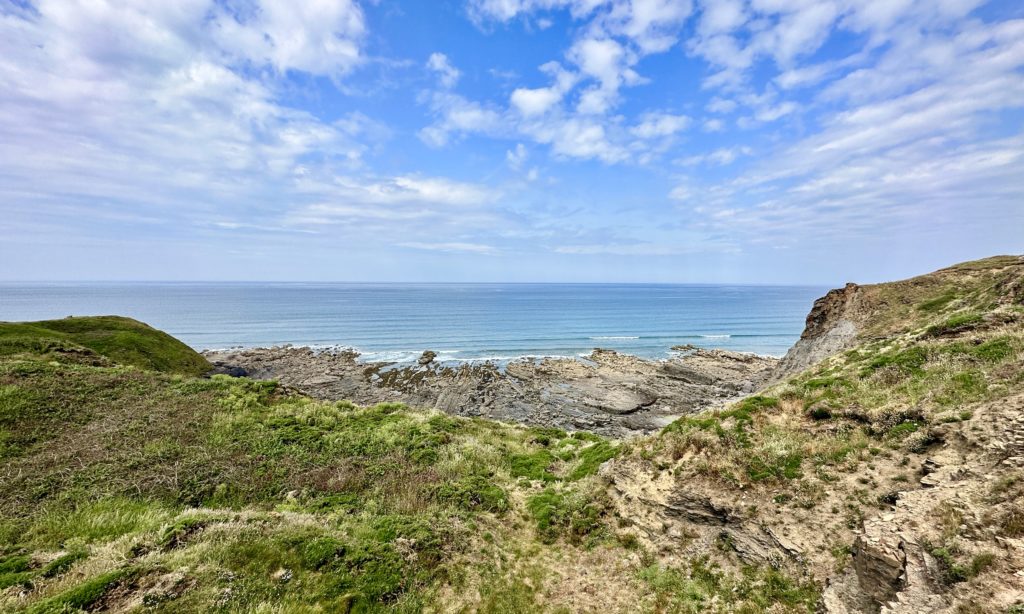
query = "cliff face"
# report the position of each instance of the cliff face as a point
(854, 314)
(831, 327)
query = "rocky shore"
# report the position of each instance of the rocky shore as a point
(607, 392)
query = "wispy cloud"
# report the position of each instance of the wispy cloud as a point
(472, 248)
(665, 132)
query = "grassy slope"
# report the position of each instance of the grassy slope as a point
(834, 443)
(127, 488)
(117, 339)
(932, 346)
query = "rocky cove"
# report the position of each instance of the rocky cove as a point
(607, 392)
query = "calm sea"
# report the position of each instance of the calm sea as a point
(396, 322)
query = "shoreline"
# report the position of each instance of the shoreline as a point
(608, 392)
(410, 357)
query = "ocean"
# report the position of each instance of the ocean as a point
(461, 322)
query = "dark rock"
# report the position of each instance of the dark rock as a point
(610, 393)
(229, 370)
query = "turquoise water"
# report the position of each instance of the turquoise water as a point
(396, 322)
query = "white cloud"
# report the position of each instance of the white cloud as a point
(458, 115)
(722, 156)
(454, 247)
(414, 203)
(504, 10)
(714, 125)
(603, 59)
(721, 16)
(531, 102)
(624, 249)
(655, 125)
(140, 102)
(918, 142)
(576, 138)
(446, 73)
(803, 76)
(619, 34)
(319, 36)
(721, 105)
(774, 112)
(651, 24)
(517, 157)
(172, 115)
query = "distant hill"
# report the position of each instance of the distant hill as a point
(118, 339)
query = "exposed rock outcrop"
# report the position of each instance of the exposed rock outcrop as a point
(831, 327)
(609, 393)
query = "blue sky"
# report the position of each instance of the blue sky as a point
(752, 141)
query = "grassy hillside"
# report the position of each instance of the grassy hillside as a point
(933, 387)
(119, 340)
(151, 489)
(132, 489)
(963, 297)
(930, 348)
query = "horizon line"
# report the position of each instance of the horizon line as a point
(424, 283)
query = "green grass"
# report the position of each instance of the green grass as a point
(121, 340)
(759, 451)
(591, 459)
(14, 570)
(83, 595)
(939, 302)
(475, 492)
(910, 360)
(63, 563)
(569, 514)
(533, 466)
(955, 324)
(702, 587)
(271, 500)
(995, 350)
(954, 572)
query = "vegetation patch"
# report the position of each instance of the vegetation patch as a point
(591, 458)
(956, 324)
(566, 514)
(533, 466)
(703, 586)
(475, 492)
(84, 595)
(63, 563)
(952, 571)
(995, 350)
(938, 303)
(122, 340)
(910, 360)
(315, 505)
